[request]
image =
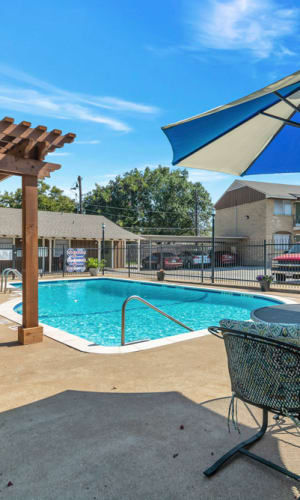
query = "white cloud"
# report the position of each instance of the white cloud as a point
(91, 141)
(59, 154)
(261, 27)
(104, 179)
(41, 98)
(196, 175)
(120, 105)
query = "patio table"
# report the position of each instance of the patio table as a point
(283, 313)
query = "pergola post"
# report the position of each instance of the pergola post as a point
(22, 152)
(30, 332)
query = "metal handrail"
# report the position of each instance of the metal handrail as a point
(136, 297)
(5, 274)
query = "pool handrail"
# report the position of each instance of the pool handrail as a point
(5, 274)
(136, 297)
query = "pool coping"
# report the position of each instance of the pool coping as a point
(83, 345)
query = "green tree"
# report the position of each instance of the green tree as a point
(157, 201)
(49, 198)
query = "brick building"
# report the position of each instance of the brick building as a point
(260, 211)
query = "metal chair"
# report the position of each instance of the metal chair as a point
(264, 372)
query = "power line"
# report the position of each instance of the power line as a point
(134, 209)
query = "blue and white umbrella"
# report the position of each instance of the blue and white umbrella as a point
(257, 134)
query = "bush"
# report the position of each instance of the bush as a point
(94, 263)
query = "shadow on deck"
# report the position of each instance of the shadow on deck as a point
(88, 445)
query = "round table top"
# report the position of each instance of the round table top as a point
(283, 313)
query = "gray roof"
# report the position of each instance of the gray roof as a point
(270, 189)
(63, 225)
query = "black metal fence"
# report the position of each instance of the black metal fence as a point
(238, 264)
(231, 263)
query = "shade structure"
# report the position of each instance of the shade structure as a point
(257, 134)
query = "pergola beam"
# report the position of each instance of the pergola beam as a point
(14, 165)
(34, 140)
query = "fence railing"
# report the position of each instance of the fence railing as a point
(235, 263)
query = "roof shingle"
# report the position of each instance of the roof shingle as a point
(64, 225)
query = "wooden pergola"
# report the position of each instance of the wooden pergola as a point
(22, 152)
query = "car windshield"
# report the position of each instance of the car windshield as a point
(295, 248)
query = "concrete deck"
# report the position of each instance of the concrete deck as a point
(81, 426)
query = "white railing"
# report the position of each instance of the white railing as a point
(4, 277)
(136, 297)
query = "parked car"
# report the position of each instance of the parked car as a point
(225, 258)
(162, 260)
(287, 265)
(193, 259)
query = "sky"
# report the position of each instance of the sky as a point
(115, 72)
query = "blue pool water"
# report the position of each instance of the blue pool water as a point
(91, 309)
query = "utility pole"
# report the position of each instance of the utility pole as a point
(79, 183)
(196, 214)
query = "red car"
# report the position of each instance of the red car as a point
(164, 260)
(287, 265)
(224, 258)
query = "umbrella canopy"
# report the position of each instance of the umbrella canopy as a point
(253, 135)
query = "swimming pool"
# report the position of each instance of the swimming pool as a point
(91, 308)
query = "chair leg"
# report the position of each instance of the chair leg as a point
(241, 448)
(215, 467)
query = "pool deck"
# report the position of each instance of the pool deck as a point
(87, 426)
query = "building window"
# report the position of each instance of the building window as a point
(282, 207)
(282, 241)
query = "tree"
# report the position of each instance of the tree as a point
(157, 201)
(49, 198)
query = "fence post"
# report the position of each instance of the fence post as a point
(128, 259)
(150, 255)
(139, 256)
(202, 263)
(14, 256)
(265, 257)
(213, 261)
(103, 259)
(63, 262)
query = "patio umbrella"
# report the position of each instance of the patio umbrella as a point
(257, 134)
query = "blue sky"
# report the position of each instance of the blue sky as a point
(115, 72)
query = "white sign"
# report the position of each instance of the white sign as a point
(76, 260)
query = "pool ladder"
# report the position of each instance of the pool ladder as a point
(136, 297)
(4, 277)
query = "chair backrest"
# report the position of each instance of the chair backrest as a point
(264, 371)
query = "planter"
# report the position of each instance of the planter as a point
(265, 286)
(93, 271)
(160, 275)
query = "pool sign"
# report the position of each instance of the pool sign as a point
(76, 260)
